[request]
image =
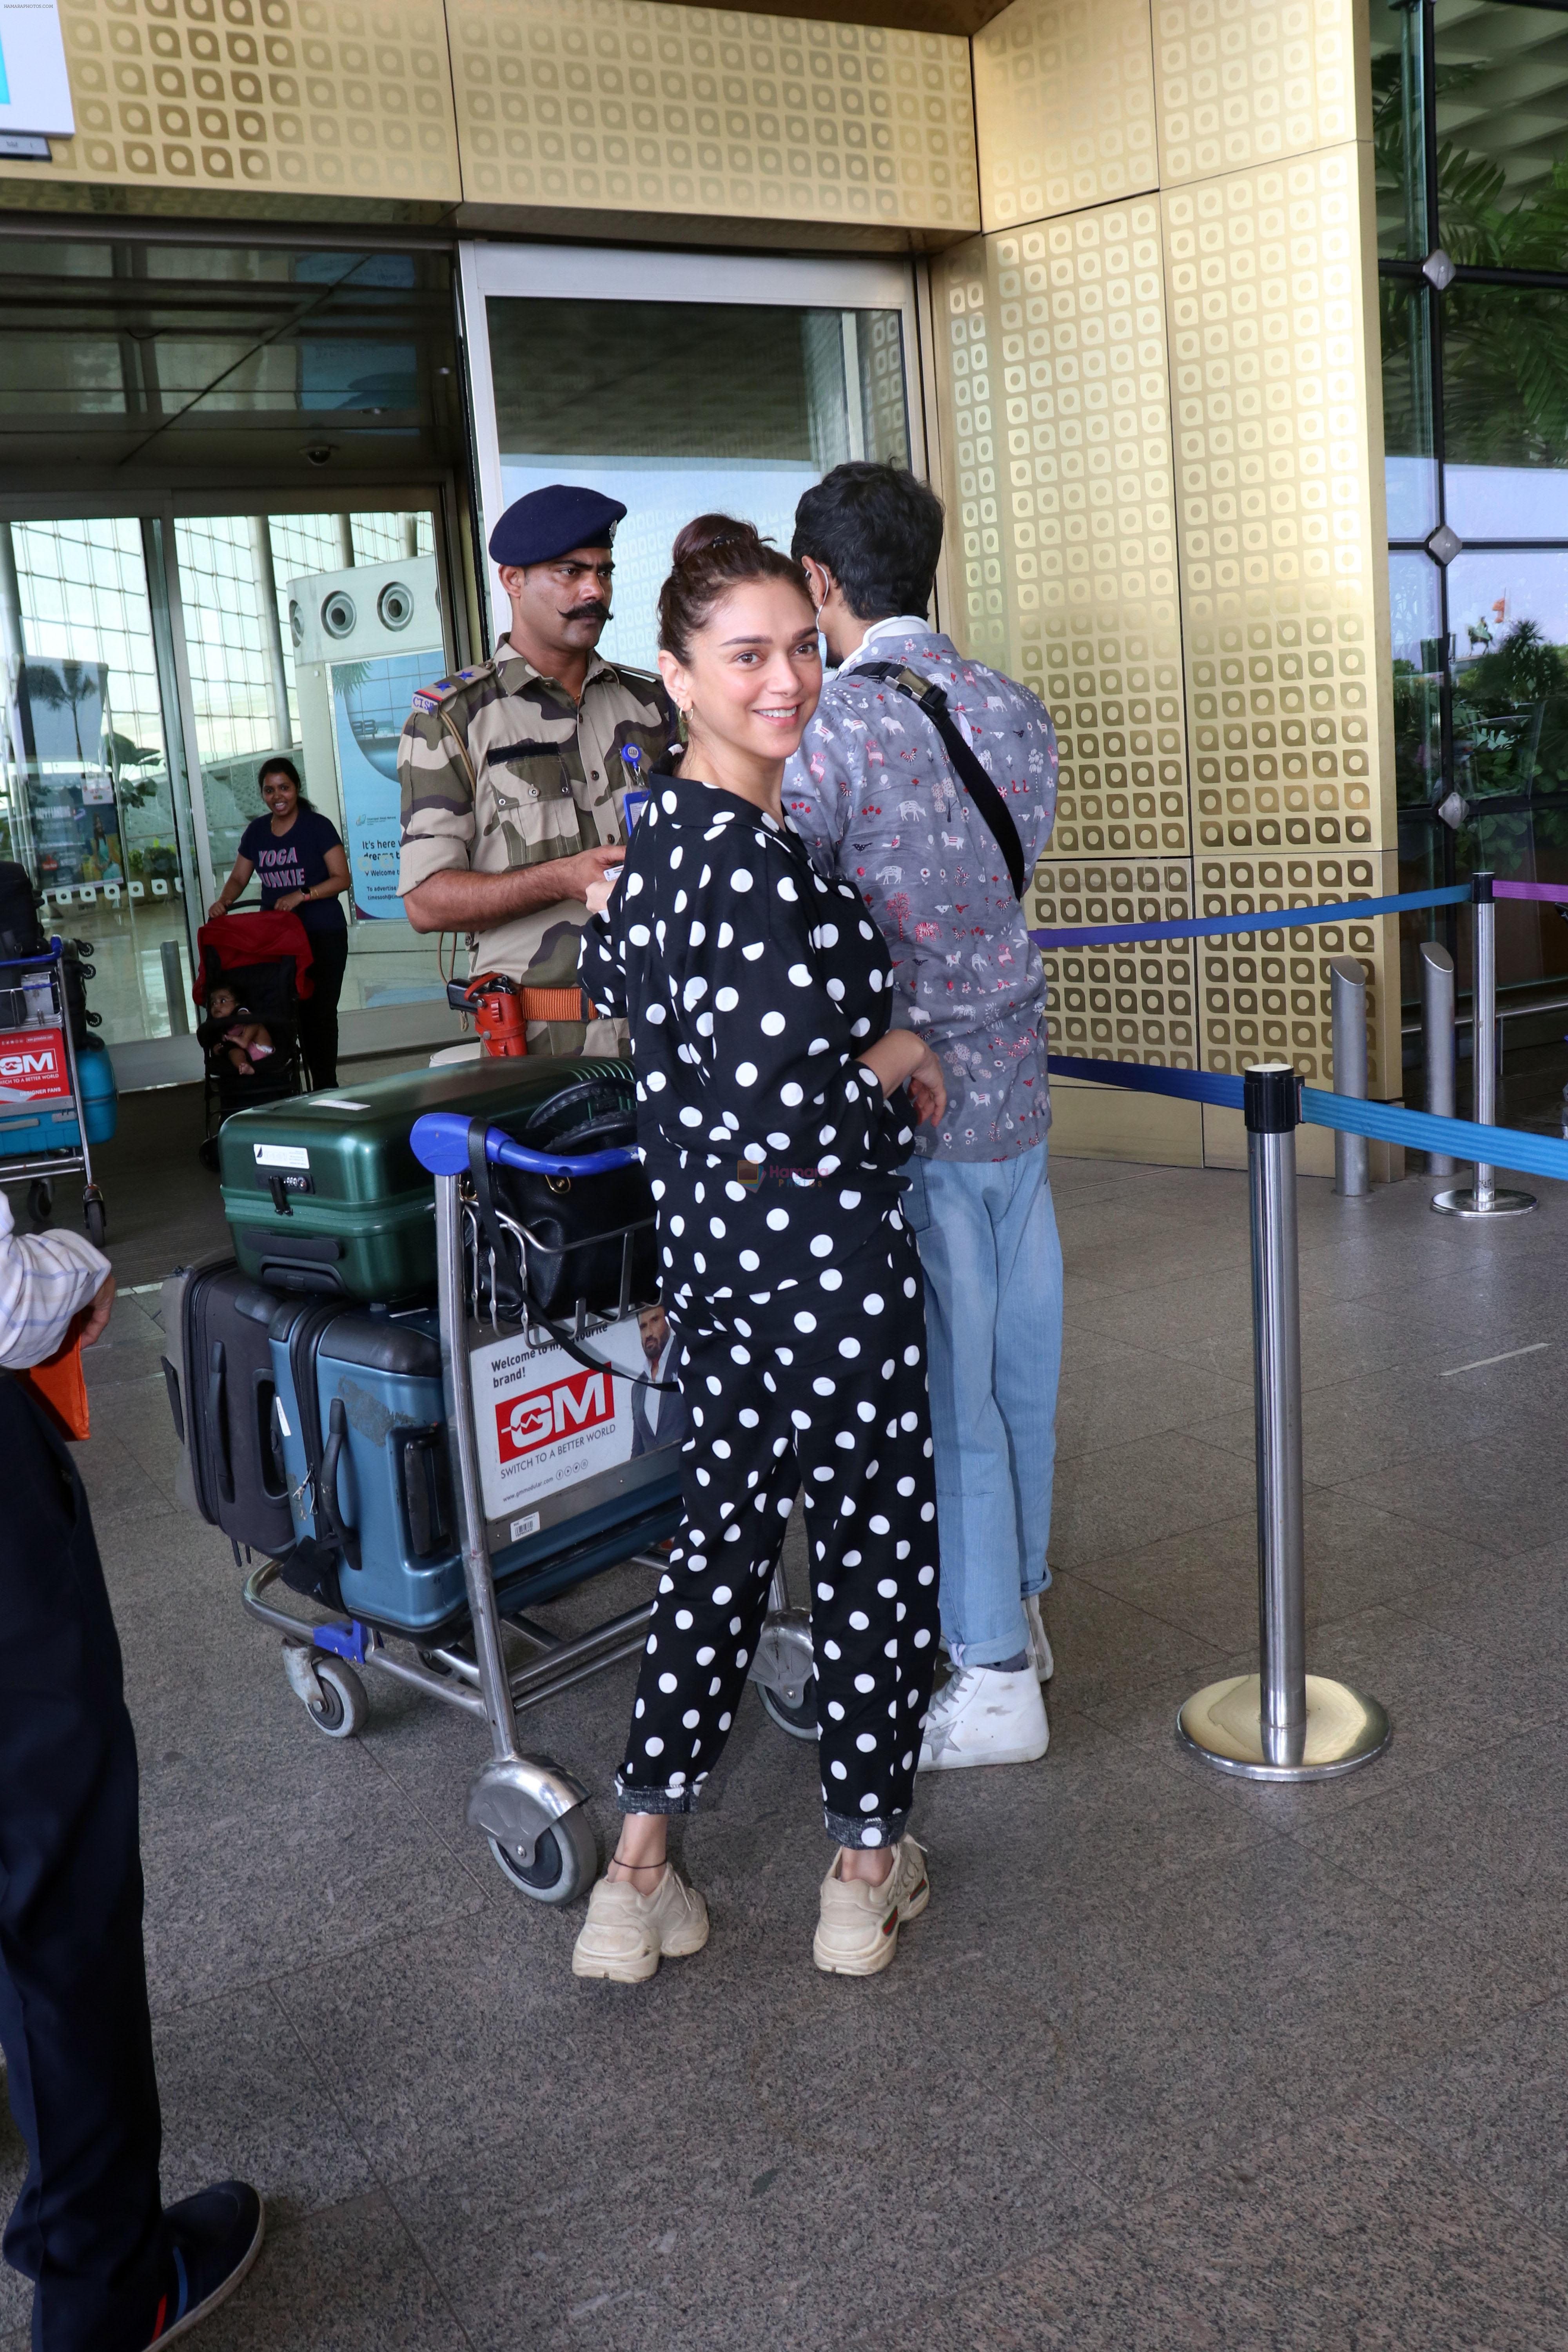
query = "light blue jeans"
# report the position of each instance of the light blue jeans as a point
(992, 1267)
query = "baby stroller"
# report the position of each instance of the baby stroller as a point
(266, 959)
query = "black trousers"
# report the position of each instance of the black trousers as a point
(318, 1010)
(854, 1429)
(88, 2227)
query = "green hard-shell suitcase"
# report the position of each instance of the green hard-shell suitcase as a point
(323, 1194)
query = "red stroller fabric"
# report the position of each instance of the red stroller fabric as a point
(242, 941)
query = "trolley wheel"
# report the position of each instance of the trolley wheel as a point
(40, 1199)
(800, 1721)
(343, 1709)
(94, 1216)
(565, 1859)
(206, 1152)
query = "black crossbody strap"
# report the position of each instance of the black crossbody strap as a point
(579, 1355)
(930, 698)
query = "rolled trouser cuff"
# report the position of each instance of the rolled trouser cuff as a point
(866, 1829)
(635, 1800)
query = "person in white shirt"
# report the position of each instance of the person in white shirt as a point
(111, 2269)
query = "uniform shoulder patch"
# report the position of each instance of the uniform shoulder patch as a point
(431, 698)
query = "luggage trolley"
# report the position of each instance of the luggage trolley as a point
(548, 1494)
(46, 1119)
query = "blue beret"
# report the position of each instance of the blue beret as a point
(554, 520)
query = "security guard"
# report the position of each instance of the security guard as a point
(514, 773)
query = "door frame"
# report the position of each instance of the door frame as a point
(643, 274)
(156, 1061)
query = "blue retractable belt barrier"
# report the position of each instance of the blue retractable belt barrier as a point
(440, 1141)
(1461, 1138)
(1282, 918)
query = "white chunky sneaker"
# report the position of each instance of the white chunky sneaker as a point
(626, 1933)
(1039, 1639)
(983, 1715)
(858, 1933)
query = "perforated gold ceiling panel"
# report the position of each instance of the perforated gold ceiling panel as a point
(1250, 81)
(1064, 103)
(623, 104)
(327, 98)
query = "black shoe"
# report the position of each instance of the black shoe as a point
(217, 2235)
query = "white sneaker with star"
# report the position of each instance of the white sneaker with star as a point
(984, 1715)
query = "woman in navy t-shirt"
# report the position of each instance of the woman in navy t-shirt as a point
(298, 856)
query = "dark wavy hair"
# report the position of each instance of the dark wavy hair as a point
(712, 554)
(878, 531)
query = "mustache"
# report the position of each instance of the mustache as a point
(597, 611)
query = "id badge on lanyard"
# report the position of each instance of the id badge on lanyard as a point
(636, 795)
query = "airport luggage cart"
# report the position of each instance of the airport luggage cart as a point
(502, 1381)
(41, 1087)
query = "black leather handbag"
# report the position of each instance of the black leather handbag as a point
(585, 1238)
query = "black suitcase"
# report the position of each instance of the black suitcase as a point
(217, 1366)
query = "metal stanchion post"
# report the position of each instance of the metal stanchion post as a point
(175, 988)
(1437, 1039)
(1481, 1198)
(1347, 978)
(1281, 1724)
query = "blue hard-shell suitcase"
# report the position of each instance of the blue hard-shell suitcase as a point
(374, 1494)
(374, 1498)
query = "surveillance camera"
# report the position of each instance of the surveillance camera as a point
(320, 453)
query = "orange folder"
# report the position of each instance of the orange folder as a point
(59, 1386)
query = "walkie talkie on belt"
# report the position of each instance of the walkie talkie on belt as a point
(501, 1010)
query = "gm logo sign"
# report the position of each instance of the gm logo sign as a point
(541, 1415)
(32, 1067)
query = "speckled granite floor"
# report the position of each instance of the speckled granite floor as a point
(1169, 2063)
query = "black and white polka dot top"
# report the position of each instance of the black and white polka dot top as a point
(750, 984)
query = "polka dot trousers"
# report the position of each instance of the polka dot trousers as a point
(856, 1432)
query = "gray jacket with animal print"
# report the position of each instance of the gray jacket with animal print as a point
(875, 794)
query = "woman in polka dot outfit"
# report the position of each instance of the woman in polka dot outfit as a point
(772, 1119)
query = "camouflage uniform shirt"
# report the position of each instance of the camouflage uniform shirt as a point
(500, 769)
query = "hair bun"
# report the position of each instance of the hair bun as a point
(704, 532)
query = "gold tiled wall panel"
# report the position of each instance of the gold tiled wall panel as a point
(1276, 498)
(638, 107)
(1064, 107)
(969, 397)
(620, 105)
(1264, 995)
(323, 98)
(1056, 384)
(1135, 1004)
(1241, 83)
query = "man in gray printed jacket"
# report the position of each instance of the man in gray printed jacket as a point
(879, 798)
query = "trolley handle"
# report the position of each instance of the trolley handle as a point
(52, 954)
(440, 1141)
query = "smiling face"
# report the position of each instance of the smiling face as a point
(281, 795)
(755, 673)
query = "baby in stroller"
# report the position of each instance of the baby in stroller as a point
(230, 1036)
